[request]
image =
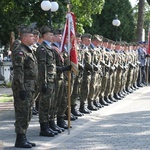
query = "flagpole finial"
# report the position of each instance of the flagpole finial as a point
(68, 5)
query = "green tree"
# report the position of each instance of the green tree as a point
(102, 24)
(16, 12)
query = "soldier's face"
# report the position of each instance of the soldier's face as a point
(28, 39)
(78, 40)
(57, 38)
(49, 36)
(36, 38)
(86, 41)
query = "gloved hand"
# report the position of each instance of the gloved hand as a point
(66, 68)
(22, 94)
(44, 87)
(90, 68)
(146, 55)
(62, 69)
(101, 74)
(80, 67)
(107, 68)
(95, 68)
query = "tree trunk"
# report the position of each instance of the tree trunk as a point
(140, 22)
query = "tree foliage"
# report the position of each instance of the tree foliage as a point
(102, 23)
(16, 12)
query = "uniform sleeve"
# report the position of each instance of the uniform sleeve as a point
(87, 60)
(41, 58)
(18, 66)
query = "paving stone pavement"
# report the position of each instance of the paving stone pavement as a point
(124, 125)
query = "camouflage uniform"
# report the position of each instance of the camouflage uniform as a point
(23, 86)
(105, 67)
(93, 82)
(47, 76)
(85, 85)
(47, 82)
(118, 77)
(77, 86)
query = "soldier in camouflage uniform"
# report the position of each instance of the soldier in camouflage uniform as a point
(110, 72)
(36, 35)
(88, 68)
(77, 80)
(106, 66)
(23, 86)
(47, 76)
(60, 103)
(95, 53)
(130, 70)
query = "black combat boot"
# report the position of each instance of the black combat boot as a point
(54, 127)
(112, 98)
(97, 104)
(45, 131)
(84, 110)
(52, 131)
(33, 144)
(116, 96)
(21, 142)
(135, 86)
(61, 122)
(72, 117)
(121, 95)
(91, 106)
(129, 90)
(102, 101)
(107, 100)
(75, 111)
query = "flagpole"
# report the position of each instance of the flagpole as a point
(69, 73)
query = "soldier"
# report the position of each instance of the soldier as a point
(57, 38)
(142, 59)
(77, 80)
(95, 53)
(36, 35)
(111, 69)
(47, 75)
(105, 67)
(60, 103)
(86, 41)
(23, 86)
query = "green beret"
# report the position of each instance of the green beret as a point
(45, 29)
(86, 35)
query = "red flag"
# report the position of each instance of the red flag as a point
(69, 31)
(148, 49)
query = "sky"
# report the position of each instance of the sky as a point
(133, 2)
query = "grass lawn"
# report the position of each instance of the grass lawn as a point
(6, 98)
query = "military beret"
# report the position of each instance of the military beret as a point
(20, 27)
(36, 32)
(117, 43)
(45, 29)
(97, 37)
(140, 42)
(26, 30)
(145, 42)
(86, 35)
(105, 40)
(78, 34)
(59, 31)
(110, 41)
